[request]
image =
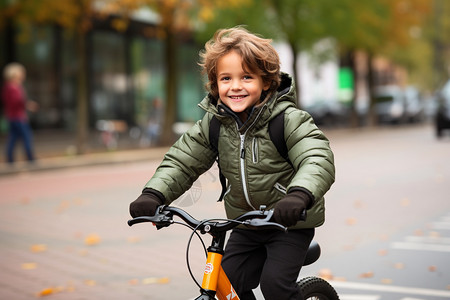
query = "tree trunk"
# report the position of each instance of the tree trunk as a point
(82, 101)
(296, 74)
(372, 116)
(347, 59)
(167, 137)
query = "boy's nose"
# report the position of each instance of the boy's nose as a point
(236, 85)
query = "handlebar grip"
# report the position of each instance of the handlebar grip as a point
(139, 220)
(160, 220)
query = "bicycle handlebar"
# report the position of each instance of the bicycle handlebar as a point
(164, 217)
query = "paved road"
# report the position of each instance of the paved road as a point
(388, 217)
(63, 232)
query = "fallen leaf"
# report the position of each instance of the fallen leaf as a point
(50, 291)
(434, 234)
(386, 281)
(78, 201)
(418, 232)
(46, 292)
(83, 252)
(405, 202)
(366, 275)
(152, 280)
(70, 288)
(133, 239)
(38, 248)
(432, 268)
(382, 252)
(149, 280)
(399, 266)
(92, 239)
(341, 279)
(326, 274)
(350, 221)
(358, 204)
(133, 282)
(25, 200)
(90, 282)
(63, 206)
(163, 280)
(29, 266)
(348, 247)
(384, 237)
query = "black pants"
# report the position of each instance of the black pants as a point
(271, 258)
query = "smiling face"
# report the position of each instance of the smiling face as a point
(239, 89)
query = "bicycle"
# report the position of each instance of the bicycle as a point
(215, 283)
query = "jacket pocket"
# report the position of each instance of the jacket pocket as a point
(255, 150)
(280, 188)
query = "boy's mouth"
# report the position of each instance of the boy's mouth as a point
(238, 97)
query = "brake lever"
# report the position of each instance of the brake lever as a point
(266, 221)
(263, 223)
(161, 219)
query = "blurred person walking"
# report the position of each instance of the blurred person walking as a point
(15, 106)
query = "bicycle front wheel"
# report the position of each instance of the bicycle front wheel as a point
(314, 288)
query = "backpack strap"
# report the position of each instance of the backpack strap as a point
(276, 133)
(214, 131)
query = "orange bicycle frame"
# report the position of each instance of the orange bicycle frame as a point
(215, 280)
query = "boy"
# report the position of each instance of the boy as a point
(246, 90)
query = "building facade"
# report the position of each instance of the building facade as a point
(125, 74)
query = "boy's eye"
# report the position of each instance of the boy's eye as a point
(224, 78)
(247, 77)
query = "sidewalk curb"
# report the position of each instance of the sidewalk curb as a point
(93, 159)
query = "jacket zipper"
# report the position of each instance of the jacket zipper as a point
(242, 160)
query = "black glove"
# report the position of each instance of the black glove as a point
(288, 210)
(146, 204)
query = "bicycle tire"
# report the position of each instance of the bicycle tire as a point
(315, 288)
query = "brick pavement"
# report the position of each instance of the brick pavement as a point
(49, 237)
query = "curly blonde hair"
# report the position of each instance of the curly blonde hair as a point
(258, 56)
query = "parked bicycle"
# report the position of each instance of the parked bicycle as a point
(215, 283)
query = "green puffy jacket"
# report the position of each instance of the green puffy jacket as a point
(256, 172)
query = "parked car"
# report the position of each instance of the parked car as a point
(414, 105)
(329, 113)
(443, 109)
(390, 104)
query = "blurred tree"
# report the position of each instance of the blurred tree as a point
(74, 15)
(437, 32)
(177, 19)
(381, 27)
(299, 23)
(406, 44)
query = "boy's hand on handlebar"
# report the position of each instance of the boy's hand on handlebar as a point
(146, 204)
(289, 210)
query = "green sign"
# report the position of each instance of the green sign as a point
(346, 85)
